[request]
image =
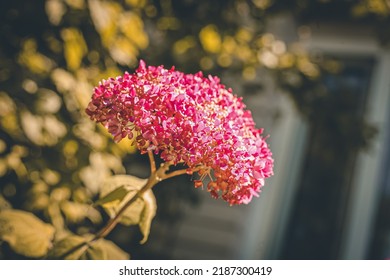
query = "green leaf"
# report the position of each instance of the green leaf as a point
(141, 212)
(115, 187)
(72, 247)
(115, 197)
(25, 233)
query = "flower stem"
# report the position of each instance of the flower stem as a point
(152, 162)
(155, 177)
(114, 221)
(175, 173)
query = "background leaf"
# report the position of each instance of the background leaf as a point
(25, 233)
(76, 212)
(4, 204)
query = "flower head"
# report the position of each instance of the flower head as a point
(190, 119)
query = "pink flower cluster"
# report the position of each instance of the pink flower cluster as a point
(190, 119)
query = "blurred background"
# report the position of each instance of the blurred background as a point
(315, 74)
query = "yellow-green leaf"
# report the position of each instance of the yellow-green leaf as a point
(210, 38)
(72, 247)
(25, 233)
(75, 47)
(114, 197)
(141, 211)
(113, 189)
(113, 251)
(96, 252)
(148, 213)
(106, 250)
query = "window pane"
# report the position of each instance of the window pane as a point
(336, 129)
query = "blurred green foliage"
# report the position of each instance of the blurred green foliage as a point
(52, 52)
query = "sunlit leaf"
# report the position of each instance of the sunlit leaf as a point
(7, 105)
(124, 51)
(147, 215)
(136, 3)
(133, 213)
(56, 218)
(113, 251)
(72, 247)
(106, 250)
(262, 4)
(210, 39)
(51, 177)
(133, 27)
(48, 101)
(75, 247)
(141, 211)
(183, 45)
(95, 252)
(76, 4)
(25, 233)
(42, 130)
(39, 201)
(32, 59)
(100, 168)
(115, 187)
(4, 204)
(63, 80)
(75, 47)
(125, 146)
(55, 9)
(114, 197)
(76, 212)
(104, 15)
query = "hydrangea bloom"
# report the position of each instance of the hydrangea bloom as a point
(190, 119)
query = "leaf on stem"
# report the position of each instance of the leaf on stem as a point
(103, 249)
(25, 233)
(114, 197)
(147, 215)
(141, 212)
(74, 247)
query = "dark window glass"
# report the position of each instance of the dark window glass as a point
(336, 131)
(380, 244)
